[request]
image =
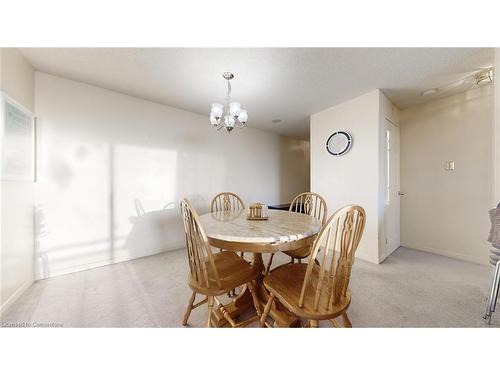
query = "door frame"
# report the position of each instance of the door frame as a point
(385, 253)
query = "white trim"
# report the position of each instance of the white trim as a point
(385, 255)
(368, 258)
(449, 254)
(14, 297)
(4, 99)
(13, 101)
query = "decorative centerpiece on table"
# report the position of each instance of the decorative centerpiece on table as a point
(257, 211)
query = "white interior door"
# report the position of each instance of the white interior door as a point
(393, 194)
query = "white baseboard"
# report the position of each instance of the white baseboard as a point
(367, 258)
(13, 298)
(384, 256)
(449, 254)
(88, 266)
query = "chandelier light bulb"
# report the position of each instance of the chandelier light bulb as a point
(243, 116)
(217, 110)
(213, 120)
(229, 121)
(234, 109)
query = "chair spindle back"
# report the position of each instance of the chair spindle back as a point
(200, 257)
(227, 201)
(311, 204)
(340, 235)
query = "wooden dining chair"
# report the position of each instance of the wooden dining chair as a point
(227, 201)
(213, 274)
(315, 291)
(311, 204)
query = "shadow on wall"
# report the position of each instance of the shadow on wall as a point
(294, 168)
(153, 229)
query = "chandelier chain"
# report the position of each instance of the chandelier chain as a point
(228, 97)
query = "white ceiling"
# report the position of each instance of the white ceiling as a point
(272, 83)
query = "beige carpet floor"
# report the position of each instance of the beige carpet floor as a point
(410, 289)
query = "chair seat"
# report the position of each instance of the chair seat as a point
(233, 272)
(299, 253)
(285, 283)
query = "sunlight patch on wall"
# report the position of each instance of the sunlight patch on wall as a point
(71, 214)
(99, 203)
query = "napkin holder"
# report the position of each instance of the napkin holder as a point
(257, 211)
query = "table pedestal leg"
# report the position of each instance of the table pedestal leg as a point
(237, 307)
(242, 303)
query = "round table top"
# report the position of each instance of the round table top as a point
(282, 226)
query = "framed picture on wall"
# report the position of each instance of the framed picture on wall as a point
(17, 141)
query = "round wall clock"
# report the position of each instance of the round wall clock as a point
(339, 143)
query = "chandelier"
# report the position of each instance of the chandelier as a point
(231, 114)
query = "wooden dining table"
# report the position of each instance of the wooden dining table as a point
(282, 231)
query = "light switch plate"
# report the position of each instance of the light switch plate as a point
(450, 165)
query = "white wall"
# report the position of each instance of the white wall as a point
(294, 168)
(496, 133)
(446, 212)
(17, 77)
(17, 238)
(354, 177)
(99, 151)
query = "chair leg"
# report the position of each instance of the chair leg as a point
(268, 268)
(496, 283)
(300, 260)
(255, 298)
(269, 303)
(493, 302)
(491, 297)
(488, 300)
(347, 322)
(189, 309)
(335, 323)
(224, 312)
(209, 312)
(313, 323)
